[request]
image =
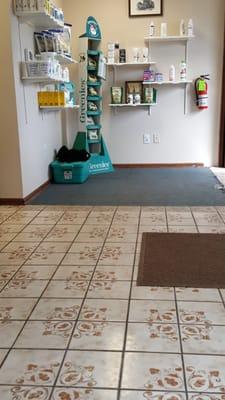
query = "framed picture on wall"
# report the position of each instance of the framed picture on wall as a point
(142, 8)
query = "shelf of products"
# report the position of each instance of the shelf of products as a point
(64, 59)
(130, 64)
(133, 105)
(39, 19)
(168, 83)
(168, 38)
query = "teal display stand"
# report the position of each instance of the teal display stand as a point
(89, 136)
(99, 163)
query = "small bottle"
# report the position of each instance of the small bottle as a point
(190, 27)
(163, 29)
(152, 29)
(117, 53)
(172, 73)
(182, 28)
(183, 71)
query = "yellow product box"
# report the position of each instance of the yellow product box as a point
(62, 99)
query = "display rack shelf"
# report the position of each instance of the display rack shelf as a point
(131, 64)
(38, 19)
(41, 79)
(58, 108)
(168, 83)
(93, 127)
(168, 38)
(133, 105)
(65, 60)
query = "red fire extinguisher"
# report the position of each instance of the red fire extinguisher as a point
(201, 89)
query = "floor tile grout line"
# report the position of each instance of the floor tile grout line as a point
(222, 298)
(193, 216)
(128, 312)
(81, 306)
(181, 344)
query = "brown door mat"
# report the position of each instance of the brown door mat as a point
(183, 260)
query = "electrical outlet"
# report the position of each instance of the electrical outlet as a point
(156, 138)
(146, 138)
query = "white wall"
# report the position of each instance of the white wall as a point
(191, 138)
(10, 177)
(40, 133)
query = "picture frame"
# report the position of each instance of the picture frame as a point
(145, 8)
(133, 87)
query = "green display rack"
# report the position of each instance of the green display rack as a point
(90, 136)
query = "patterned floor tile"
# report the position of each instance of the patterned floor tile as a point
(207, 339)
(25, 392)
(205, 396)
(74, 273)
(151, 293)
(3, 353)
(24, 288)
(63, 233)
(104, 310)
(182, 229)
(57, 310)
(205, 373)
(11, 228)
(109, 290)
(45, 335)
(70, 289)
(31, 367)
(13, 258)
(7, 271)
(101, 335)
(153, 311)
(50, 247)
(197, 294)
(118, 273)
(223, 294)
(35, 272)
(153, 338)
(83, 394)
(45, 258)
(2, 284)
(153, 372)
(82, 254)
(211, 229)
(201, 313)
(90, 369)
(142, 395)
(20, 248)
(11, 309)
(153, 220)
(2, 245)
(9, 331)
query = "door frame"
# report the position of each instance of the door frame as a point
(222, 119)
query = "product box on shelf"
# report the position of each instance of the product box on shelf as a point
(51, 99)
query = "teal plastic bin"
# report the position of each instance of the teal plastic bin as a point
(76, 172)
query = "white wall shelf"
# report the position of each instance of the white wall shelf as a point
(65, 60)
(133, 105)
(132, 64)
(38, 19)
(168, 38)
(41, 79)
(175, 83)
(59, 108)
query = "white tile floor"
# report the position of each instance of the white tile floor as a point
(73, 323)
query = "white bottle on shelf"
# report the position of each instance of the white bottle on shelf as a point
(152, 29)
(183, 71)
(172, 73)
(182, 28)
(190, 27)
